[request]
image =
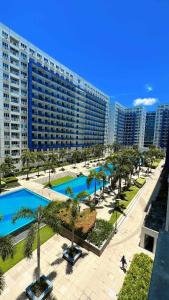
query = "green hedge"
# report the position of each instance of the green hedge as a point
(128, 197)
(10, 179)
(100, 232)
(137, 280)
(140, 181)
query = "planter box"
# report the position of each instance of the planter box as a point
(47, 291)
(72, 259)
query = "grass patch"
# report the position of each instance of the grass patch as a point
(60, 180)
(46, 233)
(137, 280)
(128, 197)
(140, 181)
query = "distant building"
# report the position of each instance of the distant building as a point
(149, 129)
(128, 125)
(161, 126)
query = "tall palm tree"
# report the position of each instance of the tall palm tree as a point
(27, 158)
(74, 205)
(50, 165)
(93, 175)
(62, 154)
(40, 158)
(40, 215)
(6, 250)
(75, 157)
(102, 176)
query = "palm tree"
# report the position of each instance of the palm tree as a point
(27, 158)
(40, 215)
(93, 175)
(40, 158)
(75, 157)
(74, 205)
(6, 250)
(51, 163)
(9, 167)
(102, 176)
(62, 154)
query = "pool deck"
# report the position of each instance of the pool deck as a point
(92, 277)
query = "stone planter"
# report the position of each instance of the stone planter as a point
(72, 259)
(46, 292)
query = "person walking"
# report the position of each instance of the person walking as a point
(124, 263)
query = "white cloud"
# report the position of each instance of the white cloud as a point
(148, 88)
(144, 101)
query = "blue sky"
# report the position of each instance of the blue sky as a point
(122, 47)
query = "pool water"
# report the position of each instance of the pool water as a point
(106, 171)
(14, 201)
(78, 185)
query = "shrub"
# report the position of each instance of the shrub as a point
(137, 280)
(139, 182)
(10, 179)
(100, 232)
(85, 221)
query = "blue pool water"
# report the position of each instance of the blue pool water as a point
(11, 203)
(106, 171)
(78, 185)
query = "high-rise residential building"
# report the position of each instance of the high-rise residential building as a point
(128, 125)
(117, 115)
(44, 105)
(149, 128)
(161, 126)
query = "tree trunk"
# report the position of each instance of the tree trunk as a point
(38, 252)
(49, 179)
(73, 237)
(27, 173)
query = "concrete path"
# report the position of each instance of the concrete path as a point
(92, 278)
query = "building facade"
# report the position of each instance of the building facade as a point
(161, 126)
(44, 105)
(149, 128)
(128, 125)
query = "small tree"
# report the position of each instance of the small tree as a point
(74, 206)
(40, 215)
(6, 250)
(40, 158)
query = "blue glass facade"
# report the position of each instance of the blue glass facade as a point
(149, 129)
(62, 114)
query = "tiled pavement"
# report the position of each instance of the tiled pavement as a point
(92, 277)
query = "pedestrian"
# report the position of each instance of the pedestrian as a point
(124, 262)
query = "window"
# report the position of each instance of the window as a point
(4, 45)
(5, 66)
(4, 34)
(23, 46)
(5, 76)
(23, 55)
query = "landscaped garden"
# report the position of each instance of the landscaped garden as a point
(137, 280)
(119, 184)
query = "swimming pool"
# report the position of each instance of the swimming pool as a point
(78, 185)
(106, 170)
(11, 203)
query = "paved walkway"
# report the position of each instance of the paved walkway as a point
(92, 278)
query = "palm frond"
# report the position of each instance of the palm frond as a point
(28, 247)
(82, 195)
(6, 247)
(2, 282)
(23, 213)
